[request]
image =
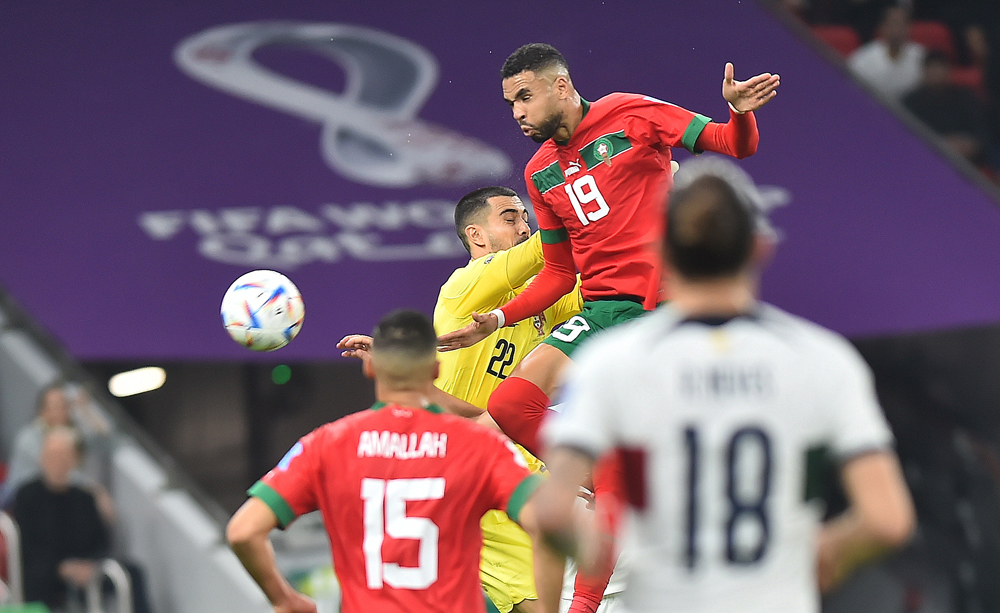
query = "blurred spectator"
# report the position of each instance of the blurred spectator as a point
(991, 32)
(892, 63)
(64, 535)
(863, 15)
(977, 45)
(950, 110)
(54, 409)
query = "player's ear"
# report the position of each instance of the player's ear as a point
(367, 368)
(763, 250)
(437, 369)
(476, 235)
(563, 86)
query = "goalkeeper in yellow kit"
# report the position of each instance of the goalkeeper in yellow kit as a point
(492, 223)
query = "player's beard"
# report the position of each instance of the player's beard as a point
(498, 245)
(547, 128)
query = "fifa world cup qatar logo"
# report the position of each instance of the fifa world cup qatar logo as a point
(370, 131)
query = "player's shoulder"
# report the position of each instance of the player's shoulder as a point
(620, 101)
(544, 156)
(807, 336)
(461, 279)
(354, 420)
(331, 433)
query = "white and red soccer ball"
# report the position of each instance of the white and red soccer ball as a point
(262, 310)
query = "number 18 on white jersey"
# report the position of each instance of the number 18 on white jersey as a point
(715, 423)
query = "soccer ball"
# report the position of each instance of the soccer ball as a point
(262, 310)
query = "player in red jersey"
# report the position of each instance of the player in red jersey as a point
(596, 184)
(401, 488)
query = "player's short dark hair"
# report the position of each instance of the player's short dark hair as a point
(709, 229)
(533, 57)
(472, 204)
(405, 331)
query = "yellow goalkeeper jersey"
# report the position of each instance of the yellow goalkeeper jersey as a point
(484, 284)
(472, 374)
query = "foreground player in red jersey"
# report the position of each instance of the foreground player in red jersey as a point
(596, 184)
(401, 488)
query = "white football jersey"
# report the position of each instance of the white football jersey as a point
(714, 422)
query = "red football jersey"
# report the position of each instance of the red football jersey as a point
(401, 491)
(605, 187)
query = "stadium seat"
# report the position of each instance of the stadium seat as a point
(934, 35)
(10, 562)
(843, 39)
(971, 77)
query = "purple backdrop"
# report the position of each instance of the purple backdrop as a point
(141, 178)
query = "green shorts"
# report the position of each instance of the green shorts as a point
(594, 317)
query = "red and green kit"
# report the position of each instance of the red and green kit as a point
(599, 196)
(402, 491)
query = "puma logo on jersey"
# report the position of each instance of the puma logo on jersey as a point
(572, 168)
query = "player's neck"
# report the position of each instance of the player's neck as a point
(717, 297)
(572, 119)
(417, 398)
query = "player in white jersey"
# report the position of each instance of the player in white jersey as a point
(713, 405)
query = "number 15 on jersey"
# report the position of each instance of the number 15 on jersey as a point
(385, 515)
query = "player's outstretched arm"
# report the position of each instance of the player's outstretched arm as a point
(739, 137)
(749, 95)
(247, 534)
(355, 346)
(454, 404)
(557, 278)
(482, 326)
(880, 518)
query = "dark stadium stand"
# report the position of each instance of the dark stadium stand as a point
(843, 39)
(934, 35)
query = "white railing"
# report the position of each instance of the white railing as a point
(119, 580)
(12, 540)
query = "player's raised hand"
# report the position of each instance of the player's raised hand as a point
(751, 94)
(356, 346)
(481, 327)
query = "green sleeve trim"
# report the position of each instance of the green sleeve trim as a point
(693, 131)
(552, 237)
(273, 499)
(548, 177)
(521, 494)
(820, 473)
